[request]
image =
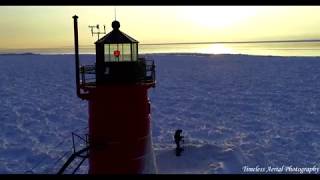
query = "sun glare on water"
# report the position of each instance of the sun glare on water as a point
(217, 49)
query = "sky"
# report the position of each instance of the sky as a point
(52, 26)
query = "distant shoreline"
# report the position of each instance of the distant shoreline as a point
(22, 54)
(150, 54)
(301, 48)
(235, 42)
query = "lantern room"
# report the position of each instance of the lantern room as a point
(117, 62)
(118, 46)
(117, 58)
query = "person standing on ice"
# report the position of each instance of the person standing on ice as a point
(177, 139)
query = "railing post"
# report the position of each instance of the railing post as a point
(83, 78)
(153, 71)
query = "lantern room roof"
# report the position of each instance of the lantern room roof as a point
(116, 36)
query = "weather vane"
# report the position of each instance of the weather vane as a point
(98, 32)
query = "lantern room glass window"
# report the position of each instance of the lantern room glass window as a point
(120, 52)
(135, 51)
(126, 52)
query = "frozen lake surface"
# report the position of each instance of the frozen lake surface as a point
(235, 111)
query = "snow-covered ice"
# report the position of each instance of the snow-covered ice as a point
(234, 110)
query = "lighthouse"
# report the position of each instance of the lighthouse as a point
(116, 88)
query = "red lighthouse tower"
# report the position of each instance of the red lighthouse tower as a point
(116, 88)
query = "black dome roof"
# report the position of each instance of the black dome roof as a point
(116, 36)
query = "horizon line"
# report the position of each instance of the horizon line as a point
(182, 43)
(234, 42)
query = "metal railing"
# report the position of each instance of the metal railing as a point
(150, 75)
(82, 141)
(88, 73)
